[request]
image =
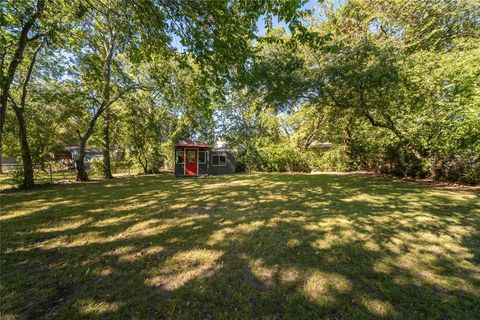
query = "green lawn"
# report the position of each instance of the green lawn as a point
(8, 180)
(269, 246)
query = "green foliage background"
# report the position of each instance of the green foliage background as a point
(392, 86)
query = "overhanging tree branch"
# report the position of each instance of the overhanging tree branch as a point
(391, 126)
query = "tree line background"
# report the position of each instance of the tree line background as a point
(393, 85)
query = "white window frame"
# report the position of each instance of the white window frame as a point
(219, 155)
(183, 156)
(204, 158)
(186, 153)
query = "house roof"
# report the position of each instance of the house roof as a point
(191, 143)
(317, 144)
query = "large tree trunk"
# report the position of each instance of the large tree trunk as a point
(79, 163)
(107, 169)
(80, 166)
(26, 157)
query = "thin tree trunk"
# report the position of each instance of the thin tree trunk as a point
(141, 155)
(105, 103)
(107, 169)
(81, 173)
(138, 146)
(107, 74)
(309, 139)
(144, 166)
(347, 134)
(1, 154)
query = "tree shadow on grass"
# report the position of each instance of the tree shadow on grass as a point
(246, 246)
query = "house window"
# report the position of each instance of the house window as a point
(191, 156)
(180, 157)
(202, 157)
(219, 160)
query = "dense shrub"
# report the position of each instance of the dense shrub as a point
(283, 157)
(96, 167)
(121, 166)
(464, 167)
(382, 152)
(17, 176)
(273, 158)
(333, 159)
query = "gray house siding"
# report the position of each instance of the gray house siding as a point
(203, 168)
(228, 168)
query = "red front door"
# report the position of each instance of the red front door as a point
(191, 166)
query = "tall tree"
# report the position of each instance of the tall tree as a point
(367, 60)
(10, 61)
(30, 29)
(19, 109)
(104, 36)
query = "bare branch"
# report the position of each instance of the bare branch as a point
(391, 126)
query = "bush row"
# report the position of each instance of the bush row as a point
(387, 159)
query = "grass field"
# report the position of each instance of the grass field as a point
(9, 181)
(268, 246)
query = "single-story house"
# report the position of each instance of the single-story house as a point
(320, 145)
(196, 158)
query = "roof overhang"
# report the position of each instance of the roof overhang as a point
(191, 143)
